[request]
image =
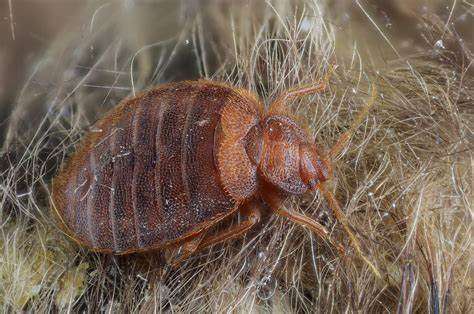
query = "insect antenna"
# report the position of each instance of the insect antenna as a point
(344, 138)
(341, 217)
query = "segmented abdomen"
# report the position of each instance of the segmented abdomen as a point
(146, 174)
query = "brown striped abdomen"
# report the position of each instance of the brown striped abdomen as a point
(146, 174)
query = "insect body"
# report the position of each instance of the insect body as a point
(164, 167)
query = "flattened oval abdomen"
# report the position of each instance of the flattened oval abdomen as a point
(145, 175)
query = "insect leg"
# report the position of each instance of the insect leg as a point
(278, 105)
(300, 219)
(344, 138)
(189, 248)
(252, 214)
(312, 224)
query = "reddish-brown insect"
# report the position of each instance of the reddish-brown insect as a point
(164, 167)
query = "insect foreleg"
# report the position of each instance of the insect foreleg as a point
(279, 104)
(300, 219)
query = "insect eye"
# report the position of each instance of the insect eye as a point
(313, 182)
(253, 145)
(322, 169)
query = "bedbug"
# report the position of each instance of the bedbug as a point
(162, 168)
